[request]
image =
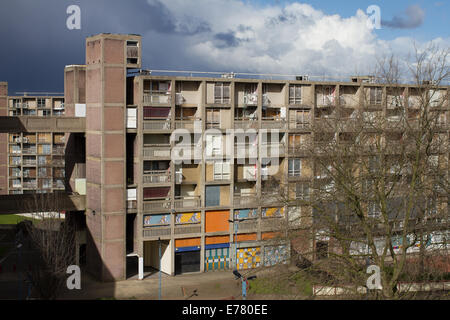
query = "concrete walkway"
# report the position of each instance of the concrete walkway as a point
(209, 286)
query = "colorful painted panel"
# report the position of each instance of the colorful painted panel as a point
(248, 258)
(245, 213)
(217, 259)
(273, 212)
(275, 254)
(157, 219)
(191, 217)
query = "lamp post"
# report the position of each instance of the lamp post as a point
(159, 251)
(235, 226)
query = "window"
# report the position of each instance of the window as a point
(41, 102)
(326, 96)
(302, 191)
(375, 95)
(374, 210)
(294, 167)
(435, 98)
(213, 118)
(295, 94)
(213, 145)
(221, 92)
(46, 149)
(221, 170)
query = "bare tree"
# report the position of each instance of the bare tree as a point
(380, 192)
(54, 239)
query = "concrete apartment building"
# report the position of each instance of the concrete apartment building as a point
(120, 154)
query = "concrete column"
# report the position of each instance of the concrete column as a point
(140, 267)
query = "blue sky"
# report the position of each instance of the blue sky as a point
(315, 37)
(436, 23)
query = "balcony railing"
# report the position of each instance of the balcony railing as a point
(187, 202)
(156, 205)
(29, 150)
(272, 149)
(131, 204)
(156, 231)
(188, 229)
(187, 124)
(246, 123)
(250, 99)
(273, 123)
(30, 185)
(245, 199)
(58, 184)
(157, 125)
(156, 176)
(247, 225)
(58, 150)
(157, 97)
(28, 162)
(299, 125)
(157, 151)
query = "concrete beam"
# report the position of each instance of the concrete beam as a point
(27, 203)
(42, 124)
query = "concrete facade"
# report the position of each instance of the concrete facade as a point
(124, 143)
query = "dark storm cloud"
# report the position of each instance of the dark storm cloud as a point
(226, 39)
(36, 45)
(413, 17)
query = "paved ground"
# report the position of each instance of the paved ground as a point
(209, 286)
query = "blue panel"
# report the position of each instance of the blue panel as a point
(182, 249)
(217, 245)
(212, 196)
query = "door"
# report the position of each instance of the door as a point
(187, 261)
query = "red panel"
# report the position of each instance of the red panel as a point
(156, 192)
(156, 112)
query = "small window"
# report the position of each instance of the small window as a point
(295, 94)
(221, 92)
(294, 167)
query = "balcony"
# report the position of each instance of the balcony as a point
(245, 150)
(301, 125)
(156, 176)
(156, 232)
(268, 149)
(250, 99)
(58, 184)
(30, 184)
(157, 97)
(187, 202)
(156, 205)
(157, 151)
(245, 199)
(188, 123)
(188, 229)
(301, 150)
(245, 123)
(157, 125)
(29, 162)
(59, 150)
(247, 225)
(29, 150)
(273, 123)
(132, 204)
(57, 162)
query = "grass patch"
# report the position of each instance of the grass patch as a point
(12, 218)
(298, 284)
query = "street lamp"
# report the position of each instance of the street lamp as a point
(159, 250)
(235, 226)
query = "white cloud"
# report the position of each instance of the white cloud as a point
(294, 38)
